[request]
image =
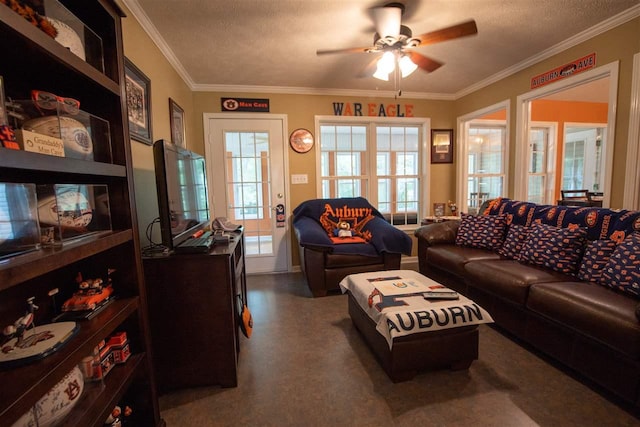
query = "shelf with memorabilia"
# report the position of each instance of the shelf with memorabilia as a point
(71, 85)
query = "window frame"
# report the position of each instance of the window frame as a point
(370, 122)
(462, 151)
(551, 157)
(463, 197)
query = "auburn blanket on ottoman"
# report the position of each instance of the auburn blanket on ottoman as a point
(407, 332)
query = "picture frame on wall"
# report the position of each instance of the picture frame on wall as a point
(442, 146)
(4, 120)
(176, 120)
(138, 92)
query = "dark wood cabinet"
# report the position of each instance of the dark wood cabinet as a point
(194, 301)
(35, 61)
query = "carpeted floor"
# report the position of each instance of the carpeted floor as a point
(306, 365)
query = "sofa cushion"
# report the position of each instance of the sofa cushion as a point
(595, 258)
(593, 310)
(513, 243)
(559, 249)
(481, 231)
(508, 279)
(622, 272)
(452, 258)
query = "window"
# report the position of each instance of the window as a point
(540, 166)
(573, 168)
(583, 158)
(378, 161)
(485, 164)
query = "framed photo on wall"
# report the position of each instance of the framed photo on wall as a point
(138, 90)
(442, 146)
(176, 119)
(4, 120)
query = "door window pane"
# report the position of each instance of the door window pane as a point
(248, 182)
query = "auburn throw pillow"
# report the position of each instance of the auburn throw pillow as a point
(559, 249)
(595, 259)
(622, 272)
(513, 243)
(481, 231)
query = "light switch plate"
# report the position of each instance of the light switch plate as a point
(300, 178)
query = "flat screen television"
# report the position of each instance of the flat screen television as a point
(181, 181)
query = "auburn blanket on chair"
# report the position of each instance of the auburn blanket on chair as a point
(348, 225)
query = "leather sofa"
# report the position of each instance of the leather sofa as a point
(326, 258)
(591, 328)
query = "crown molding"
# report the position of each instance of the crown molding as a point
(317, 91)
(602, 27)
(155, 36)
(152, 31)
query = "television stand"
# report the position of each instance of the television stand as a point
(194, 302)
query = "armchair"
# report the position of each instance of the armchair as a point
(327, 257)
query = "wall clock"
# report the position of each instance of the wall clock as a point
(301, 140)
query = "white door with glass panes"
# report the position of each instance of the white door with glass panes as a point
(246, 169)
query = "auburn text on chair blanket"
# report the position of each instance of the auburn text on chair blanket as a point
(394, 300)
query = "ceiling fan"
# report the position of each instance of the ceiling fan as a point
(397, 43)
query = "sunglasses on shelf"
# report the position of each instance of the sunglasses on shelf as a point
(50, 101)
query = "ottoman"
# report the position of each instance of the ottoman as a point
(408, 333)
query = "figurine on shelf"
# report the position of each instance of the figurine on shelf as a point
(91, 294)
(117, 416)
(18, 329)
(18, 347)
(453, 208)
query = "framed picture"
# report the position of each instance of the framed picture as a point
(438, 209)
(3, 112)
(176, 116)
(138, 90)
(442, 146)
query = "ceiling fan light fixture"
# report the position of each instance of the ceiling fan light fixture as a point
(387, 63)
(381, 75)
(407, 66)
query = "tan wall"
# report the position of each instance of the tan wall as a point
(618, 44)
(301, 111)
(165, 83)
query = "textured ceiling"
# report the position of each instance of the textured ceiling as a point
(271, 44)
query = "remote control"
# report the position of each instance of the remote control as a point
(440, 295)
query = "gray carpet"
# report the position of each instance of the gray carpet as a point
(306, 365)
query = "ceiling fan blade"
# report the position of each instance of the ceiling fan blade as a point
(461, 30)
(369, 69)
(387, 20)
(346, 50)
(426, 64)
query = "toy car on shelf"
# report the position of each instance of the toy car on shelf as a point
(91, 295)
